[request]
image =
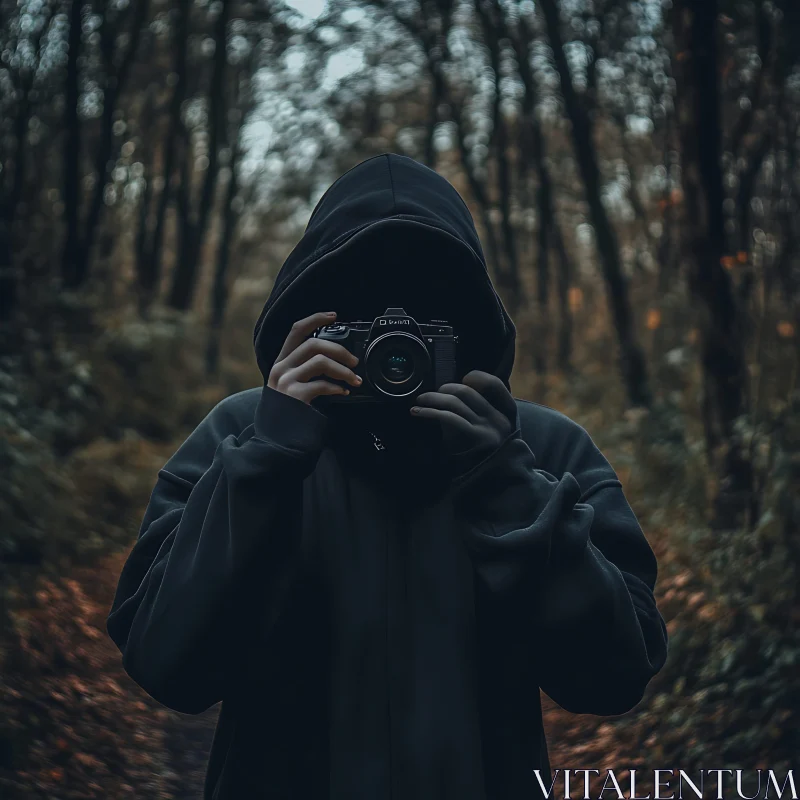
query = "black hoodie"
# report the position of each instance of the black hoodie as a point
(373, 640)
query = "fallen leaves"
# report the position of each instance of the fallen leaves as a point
(89, 730)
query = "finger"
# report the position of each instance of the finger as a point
(311, 347)
(308, 391)
(448, 402)
(469, 396)
(447, 418)
(321, 365)
(302, 329)
(477, 402)
(494, 390)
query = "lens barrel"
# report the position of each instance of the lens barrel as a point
(397, 363)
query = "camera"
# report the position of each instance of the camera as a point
(398, 358)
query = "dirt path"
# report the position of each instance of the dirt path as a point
(184, 738)
(188, 742)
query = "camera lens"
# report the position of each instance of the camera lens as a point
(396, 363)
(396, 366)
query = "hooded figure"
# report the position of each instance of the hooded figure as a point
(378, 622)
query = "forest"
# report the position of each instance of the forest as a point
(633, 168)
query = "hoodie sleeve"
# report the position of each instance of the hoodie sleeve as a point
(569, 550)
(222, 510)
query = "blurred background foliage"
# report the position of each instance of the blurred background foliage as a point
(632, 166)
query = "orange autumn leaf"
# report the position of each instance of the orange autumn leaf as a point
(727, 262)
(741, 257)
(575, 297)
(785, 329)
(87, 759)
(653, 319)
(695, 599)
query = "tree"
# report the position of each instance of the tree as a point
(634, 369)
(117, 24)
(696, 70)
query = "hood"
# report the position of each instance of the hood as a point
(391, 232)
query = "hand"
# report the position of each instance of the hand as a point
(302, 358)
(476, 416)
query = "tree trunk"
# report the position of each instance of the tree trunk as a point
(438, 91)
(147, 278)
(9, 278)
(183, 273)
(548, 237)
(219, 297)
(154, 249)
(634, 369)
(476, 187)
(195, 228)
(703, 244)
(116, 80)
(490, 15)
(564, 278)
(72, 272)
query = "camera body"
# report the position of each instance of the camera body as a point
(398, 358)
